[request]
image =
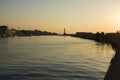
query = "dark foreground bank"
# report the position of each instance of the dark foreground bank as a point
(113, 72)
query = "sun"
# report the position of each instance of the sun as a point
(117, 20)
(114, 21)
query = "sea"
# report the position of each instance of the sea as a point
(53, 58)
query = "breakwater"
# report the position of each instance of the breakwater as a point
(99, 37)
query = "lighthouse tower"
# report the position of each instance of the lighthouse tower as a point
(64, 32)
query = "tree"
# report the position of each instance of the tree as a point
(3, 29)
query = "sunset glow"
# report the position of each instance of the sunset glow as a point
(118, 20)
(55, 15)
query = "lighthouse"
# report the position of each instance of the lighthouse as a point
(64, 32)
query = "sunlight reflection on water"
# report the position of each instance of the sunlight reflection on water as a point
(53, 58)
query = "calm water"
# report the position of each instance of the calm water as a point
(53, 58)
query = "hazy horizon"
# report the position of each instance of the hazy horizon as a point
(55, 15)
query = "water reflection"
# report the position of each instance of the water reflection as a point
(56, 57)
(100, 47)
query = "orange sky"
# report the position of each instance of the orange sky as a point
(55, 15)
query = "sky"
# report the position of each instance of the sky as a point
(55, 15)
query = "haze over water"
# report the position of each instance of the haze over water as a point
(53, 58)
